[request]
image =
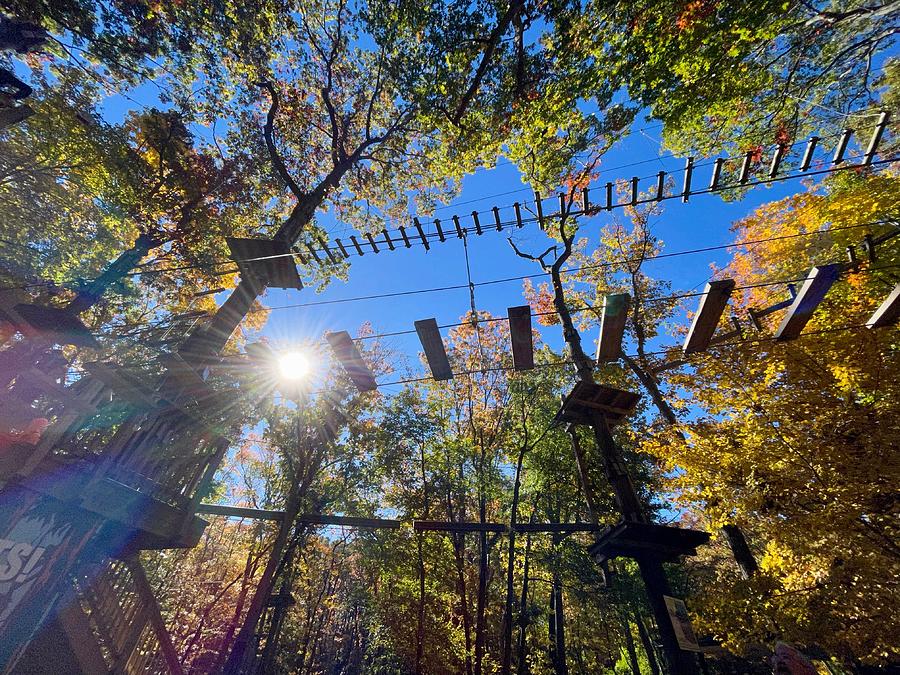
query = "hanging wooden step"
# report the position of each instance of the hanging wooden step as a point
(888, 312)
(612, 326)
(813, 291)
(712, 305)
(521, 337)
(430, 337)
(350, 358)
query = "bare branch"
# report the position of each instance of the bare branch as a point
(268, 133)
(515, 7)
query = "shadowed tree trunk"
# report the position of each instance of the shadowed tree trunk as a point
(524, 621)
(629, 647)
(645, 642)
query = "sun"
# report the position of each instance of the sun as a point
(294, 365)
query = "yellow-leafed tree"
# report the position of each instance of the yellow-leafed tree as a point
(797, 441)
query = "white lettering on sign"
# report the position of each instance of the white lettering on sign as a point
(17, 559)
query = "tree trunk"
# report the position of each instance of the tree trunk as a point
(118, 269)
(249, 569)
(420, 629)
(244, 639)
(523, 668)
(629, 647)
(23, 355)
(506, 658)
(459, 548)
(481, 603)
(646, 643)
(208, 341)
(654, 576)
(740, 549)
(557, 628)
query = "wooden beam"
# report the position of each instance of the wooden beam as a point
(350, 358)
(312, 518)
(612, 326)
(520, 336)
(239, 512)
(443, 526)
(350, 521)
(808, 298)
(888, 312)
(559, 527)
(430, 337)
(712, 304)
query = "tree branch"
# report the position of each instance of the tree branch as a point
(268, 132)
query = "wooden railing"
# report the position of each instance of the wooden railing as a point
(125, 619)
(108, 427)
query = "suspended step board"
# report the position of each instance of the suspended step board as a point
(712, 305)
(430, 337)
(269, 260)
(812, 292)
(612, 327)
(350, 358)
(889, 311)
(521, 337)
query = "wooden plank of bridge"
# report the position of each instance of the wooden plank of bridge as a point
(521, 337)
(612, 326)
(350, 358)
(889, 311)
(712, 305)
(813, 291)
(430, 337)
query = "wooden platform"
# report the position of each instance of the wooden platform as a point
(269, 260)
(59, 325)
(633, 540)
(587, 399)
